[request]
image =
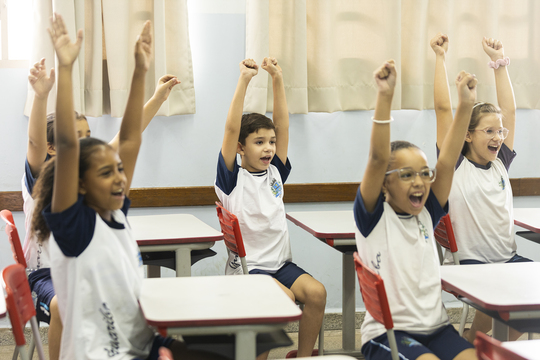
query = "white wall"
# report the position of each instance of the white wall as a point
(182, 150)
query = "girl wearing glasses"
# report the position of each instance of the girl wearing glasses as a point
(481, 208)
(399, 202)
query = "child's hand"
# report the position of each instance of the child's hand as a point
(143, 47)
(41, 83)
(493, 48)
(439, 44)
(385, 77)
(466, 86)
(165, 354)
(270, 64)
(164, 86)
(66, 51)
(249, 68)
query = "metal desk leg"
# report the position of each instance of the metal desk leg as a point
(245, 345)
(349, 303)
(500, 330)
(183, 262)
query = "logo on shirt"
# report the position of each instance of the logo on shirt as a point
(378, 265)
(113, 336)
(502, 184)
(423, 230)
(234, 264)
(276, 188)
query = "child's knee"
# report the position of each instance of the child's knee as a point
(316, 294)
(53, 308)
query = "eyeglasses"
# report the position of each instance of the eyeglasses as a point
(502, 133)
(407, 174)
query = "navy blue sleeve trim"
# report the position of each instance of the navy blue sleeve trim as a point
(459, 161)
(284, 169)
(366, 221)
(127, 204)
(29, 179)
(506, 155)
(73, 228)
(435, 209)
(225, 179)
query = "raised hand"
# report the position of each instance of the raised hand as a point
(66, 51)
(466, 86)
(164, 87)
(385, 77)
(493, 48)
(143, 47)
(439, 44)
(39, 80)
(248, 68)
(270, 64)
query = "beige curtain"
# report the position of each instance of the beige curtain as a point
(328, 49)
(102, 74)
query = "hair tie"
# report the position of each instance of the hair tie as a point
(500, 62)
(382, 121)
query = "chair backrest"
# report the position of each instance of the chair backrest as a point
(444, 234)
(488, 348)
(231, 233)
(13, 236)
(373, 293)
(19, 302)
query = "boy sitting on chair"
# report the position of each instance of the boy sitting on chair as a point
(254, 193)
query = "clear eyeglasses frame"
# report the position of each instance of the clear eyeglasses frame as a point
(427, 175)
(490, 133)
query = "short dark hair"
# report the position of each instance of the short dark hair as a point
(50, 125)
(252, 123)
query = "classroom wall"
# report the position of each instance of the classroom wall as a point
(182, 150)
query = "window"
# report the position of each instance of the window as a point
(15, 33)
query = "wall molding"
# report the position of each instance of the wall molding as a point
(294, 193)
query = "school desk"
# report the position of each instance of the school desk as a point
(529, 349)
(243, 305)
(337, 229)
(510, 293)
(528, 218)
(180, 233)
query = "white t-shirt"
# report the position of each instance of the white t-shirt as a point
(257, 200)
(401, 249)
(97, 274)
(482, 211)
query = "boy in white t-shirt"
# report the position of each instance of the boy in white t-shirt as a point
(398, 204)
(254, 193)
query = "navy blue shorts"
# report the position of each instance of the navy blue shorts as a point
(445, 343)
(515, 259)
(286, 275)
(42, 293)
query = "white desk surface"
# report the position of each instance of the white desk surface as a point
(529, 349)
(528, 218)
(326, 224)
(499, 287)
(171, 229)
(216, 301)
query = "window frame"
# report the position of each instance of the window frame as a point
(5, 62)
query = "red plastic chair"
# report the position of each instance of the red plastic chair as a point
(488, 348)
(235, 243)
(20, 308)
(375, 300)
(13, 236)
(444, 234)
(231, 234)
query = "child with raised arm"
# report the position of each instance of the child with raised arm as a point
(399, 202)
(81, 199)
(254, 193)
(41, 147)
(481, 208)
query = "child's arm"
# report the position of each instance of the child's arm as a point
(130, 136)
(280, 113)
(37, 123)
(452, 145)
(379, 153)
(66, 172)
(248, 69)
(505, 93)
(443, 103)
(163, 89)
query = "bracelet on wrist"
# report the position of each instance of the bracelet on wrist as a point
(500, 62)
(382, 121)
